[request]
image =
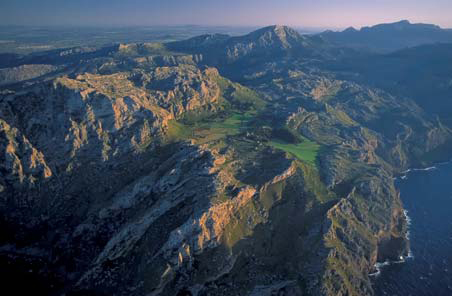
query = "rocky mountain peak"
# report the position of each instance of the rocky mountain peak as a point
(269, 41)
(276, 34)
(350, 30)
(281, 29)
(403, 22)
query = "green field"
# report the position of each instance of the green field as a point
(305, 151)
(212, 130)
(233, 122)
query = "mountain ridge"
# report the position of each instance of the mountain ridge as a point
(389, 36)
(275, 39)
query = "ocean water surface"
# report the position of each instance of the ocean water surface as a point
(427, 197)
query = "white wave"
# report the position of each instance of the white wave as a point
(444, 163)
(404, 174)
(376, 273)
(408, 219)
(378, 266)
(401, 260)
(429, 168)
(420, 169)
(408, 233)
(381, 264)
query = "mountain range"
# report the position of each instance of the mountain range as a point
(261, 164)
(385, 38)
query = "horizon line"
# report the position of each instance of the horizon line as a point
(207, 25)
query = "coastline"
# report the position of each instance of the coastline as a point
(378, 267)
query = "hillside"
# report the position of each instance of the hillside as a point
(421, 73)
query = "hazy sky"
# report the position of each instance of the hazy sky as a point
(307, 13)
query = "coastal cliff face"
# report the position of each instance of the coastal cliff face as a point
(144, 171)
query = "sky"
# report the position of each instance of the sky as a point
(299, 13)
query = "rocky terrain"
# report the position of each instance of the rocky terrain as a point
(255, 165)
(24, 72)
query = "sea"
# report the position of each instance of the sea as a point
(427, 198)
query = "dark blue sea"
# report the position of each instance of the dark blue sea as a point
(427, 197)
